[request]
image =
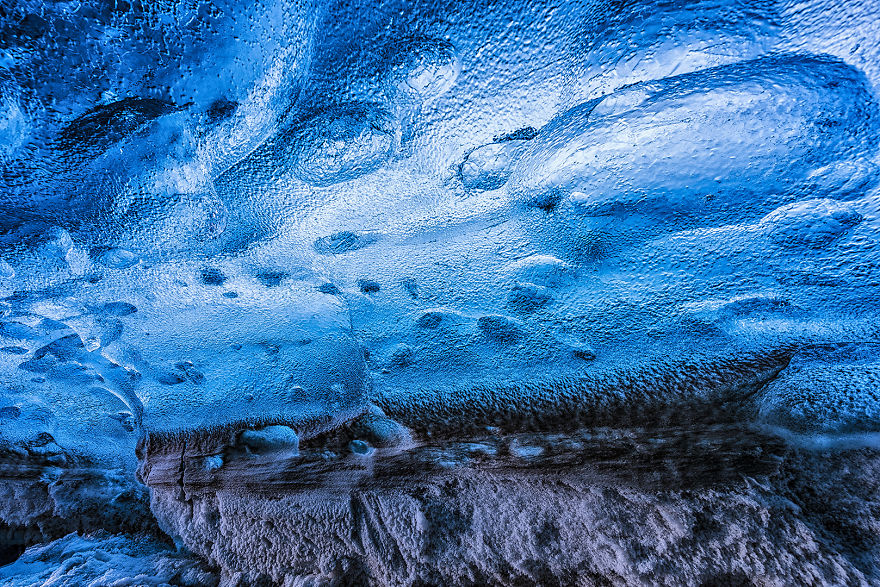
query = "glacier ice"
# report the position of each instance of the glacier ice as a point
(701, 141)
(107, 559)
(419, 292)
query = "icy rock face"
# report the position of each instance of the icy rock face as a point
(534, 525)
(426, 292)
(81, 387)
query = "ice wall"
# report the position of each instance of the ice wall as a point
(235, 229)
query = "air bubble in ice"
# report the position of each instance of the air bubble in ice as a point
(489, 166)
(424, 66)
(343, 142)
(115, 257)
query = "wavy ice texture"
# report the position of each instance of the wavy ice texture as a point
(106, 559)
(747, 133)
(425, 291)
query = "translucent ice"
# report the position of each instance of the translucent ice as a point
(742, 134)
(342, 143)
(430, 292)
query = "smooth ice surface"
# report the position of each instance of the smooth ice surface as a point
(229, 228)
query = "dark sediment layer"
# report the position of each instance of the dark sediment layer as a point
(42, 501)
(565, 485)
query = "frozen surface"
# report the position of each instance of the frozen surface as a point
(322, 247)
(106, 559)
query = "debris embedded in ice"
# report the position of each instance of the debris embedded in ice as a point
(526, 133)
(584, 353)
(368, 286)
(343, 242)
(270, 439)
(212, 276)
(100, 127)
(271, 278)
(220, 110)
(329, 288)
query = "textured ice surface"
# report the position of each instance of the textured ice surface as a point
(425, 292)
(106, 559)
(705, 140)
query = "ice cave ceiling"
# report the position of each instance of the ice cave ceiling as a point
(439, 293)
